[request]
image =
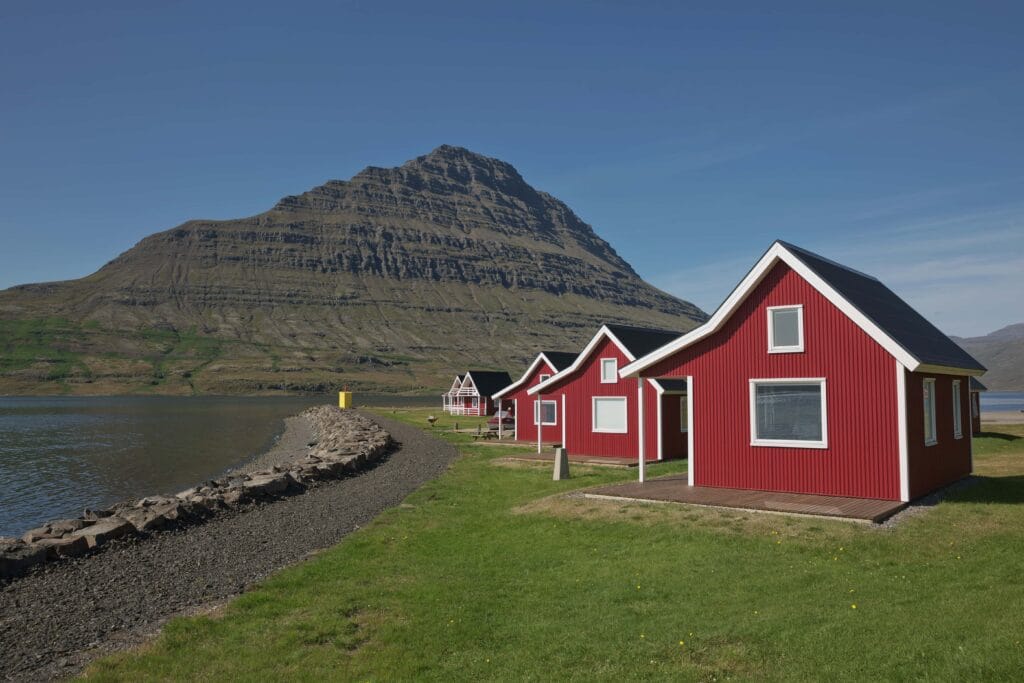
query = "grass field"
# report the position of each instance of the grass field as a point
(486, 574)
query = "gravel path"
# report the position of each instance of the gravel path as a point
(53, 621)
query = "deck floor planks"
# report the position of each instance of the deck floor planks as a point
(674, 489)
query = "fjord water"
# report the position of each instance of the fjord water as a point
(59, 455)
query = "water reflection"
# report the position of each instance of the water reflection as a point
(61, 454)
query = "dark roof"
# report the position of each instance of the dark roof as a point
(976, 385)
(489, 382)
(891, 314)
(642, 340)
(560, 359)
(673, 385)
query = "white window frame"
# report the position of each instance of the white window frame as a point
(593, 414)
(684, 414)
(933, 438)
(543, 378)
(958, 412)
(615, 370)
(772, 348)
(536, 412)
(788, 443)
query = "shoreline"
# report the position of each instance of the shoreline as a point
(1001, 417)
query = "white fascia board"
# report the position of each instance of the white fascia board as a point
(603, 333)
(775, 254)
(541, 358)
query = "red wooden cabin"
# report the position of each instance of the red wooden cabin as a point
(472, 396)
(602, 415)
(525, 410)
(815, 378)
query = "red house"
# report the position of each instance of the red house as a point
(816, 378)
(525, 409)
(599, 414)
(471, 393)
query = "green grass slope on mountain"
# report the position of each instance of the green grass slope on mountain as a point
(1002, 352)
(388, 281)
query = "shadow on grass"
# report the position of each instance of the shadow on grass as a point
(988, 489)
(998, 435)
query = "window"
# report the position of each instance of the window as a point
(684, 413)
(785, 329)
(958, 430)
(610, 414)
(930, 436)
(609, 370)
(548, 410)
(544, 378)
(788, 412)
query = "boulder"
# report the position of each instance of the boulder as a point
(16, 557)
(68, 546)
(104, 530)
(270, 484)
(93, 515)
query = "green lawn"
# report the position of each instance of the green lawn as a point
(485, 574)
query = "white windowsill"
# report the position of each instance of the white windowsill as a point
(786, 349)
(610, 431)
(773, 443)
(931, 442)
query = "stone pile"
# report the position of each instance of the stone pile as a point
(345, 442)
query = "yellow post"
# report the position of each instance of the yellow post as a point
(344, 399)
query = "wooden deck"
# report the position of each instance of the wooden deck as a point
(548, 456)
(673, 489)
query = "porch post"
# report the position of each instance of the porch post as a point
(499, 420)
(538, 417)
(641, 464)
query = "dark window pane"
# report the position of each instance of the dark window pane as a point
(788, 411)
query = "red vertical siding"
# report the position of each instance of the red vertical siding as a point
(949, 459)
(862, 457)
(579, 390)
(527, 431)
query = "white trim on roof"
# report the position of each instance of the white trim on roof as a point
(778, 253)
(602, 333)
(526, 375)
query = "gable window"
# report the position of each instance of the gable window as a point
(930, 433)
(547, 411)
(788, 413)
(785, 329)
(544, 378)
(958, 430)
(609, 370)
(684, 413)
(609, 414)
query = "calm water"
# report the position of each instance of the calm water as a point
(59, 455)
(992, 401)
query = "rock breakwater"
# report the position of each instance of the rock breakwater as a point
(344, 442)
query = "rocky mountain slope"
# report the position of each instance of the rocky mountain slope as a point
(391, 280)
(1002, 352)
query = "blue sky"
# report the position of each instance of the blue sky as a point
(887, 136)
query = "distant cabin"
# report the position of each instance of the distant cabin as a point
(595, 413)
(525, 411)
(470, 394)
(976, 388)
(816, 378)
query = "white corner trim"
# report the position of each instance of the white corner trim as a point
(659, 392)
(799, 308)
(640, 450)
(689, 433)
(775, 254)
(603, 333)
(563, 424)
(789, 443)
(901, 427)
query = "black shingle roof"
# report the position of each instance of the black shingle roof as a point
(895, 317)
(560, 359)
(489, 382)
(642, 340)
(977, 385)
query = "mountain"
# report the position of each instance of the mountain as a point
(393, 280)
(1002, 352)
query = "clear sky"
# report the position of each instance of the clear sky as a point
(888, 136)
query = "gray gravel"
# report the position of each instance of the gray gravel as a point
(54, 620)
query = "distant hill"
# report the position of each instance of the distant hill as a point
(1002, 352)
(390, 281)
